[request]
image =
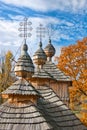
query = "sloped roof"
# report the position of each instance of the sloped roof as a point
(39, 57)
(21, 87)
(55, 72)
(24, 117)
(56, 110)
(24, 62)
(40, 54)
(41, 73)
(49, 49)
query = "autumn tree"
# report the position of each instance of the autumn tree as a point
(73, 61)
(5, 71)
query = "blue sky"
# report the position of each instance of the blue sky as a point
(67, 17)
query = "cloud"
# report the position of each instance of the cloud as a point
(9, 38)
(6, 9)
(8, 30)
(65, 30)
(45, 5)
(67, 26)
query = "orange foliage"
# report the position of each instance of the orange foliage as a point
(73, 61)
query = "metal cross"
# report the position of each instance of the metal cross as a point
(40, 32)
(50, 30)
(24, 27)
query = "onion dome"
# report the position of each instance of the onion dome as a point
(24, 66)
(49, 50)
(39, 57)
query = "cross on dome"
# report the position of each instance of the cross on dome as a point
(40, 32)
(25, 27)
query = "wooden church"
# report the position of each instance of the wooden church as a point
(47, 71)
(33, 102)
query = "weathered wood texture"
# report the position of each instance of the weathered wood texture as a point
(21, 87)
(50, 113)
(55, 72)
(56, 79)
(24, 66)
(58, 111)
(21, 91)
(24, 117)
(39, 57)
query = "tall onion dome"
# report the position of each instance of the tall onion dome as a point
(39, 58)
(24, 66)
(49, 50)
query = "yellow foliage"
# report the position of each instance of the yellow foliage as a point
(5, 76)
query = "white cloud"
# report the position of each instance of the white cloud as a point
(8, 30)
(45, 5)
(9, 33)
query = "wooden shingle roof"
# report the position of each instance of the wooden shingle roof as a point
(24, 62)
(56, 110)
(41, 73)
(21, 87)
(49, 49)
(39, 57)
(24, 117)
(55, 72)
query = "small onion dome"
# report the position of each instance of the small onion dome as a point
(39, 57)
(49, 50)
(24, 66)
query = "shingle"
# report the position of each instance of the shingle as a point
(55, 72)
(41, 73)
(58, 111)
(23, 117)
(21, 87)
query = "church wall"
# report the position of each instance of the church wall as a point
(61, 88)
